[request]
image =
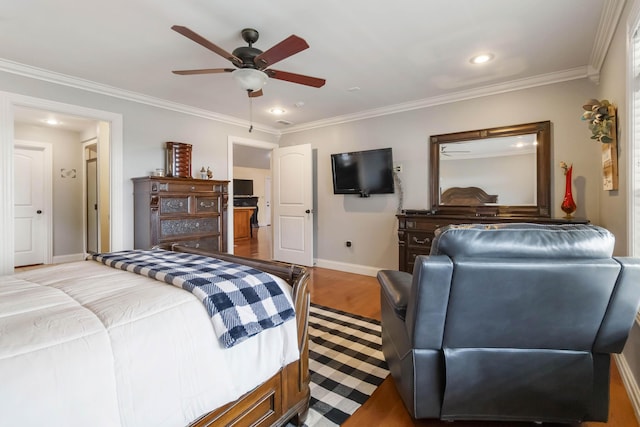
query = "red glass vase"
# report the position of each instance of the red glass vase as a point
(568, 205)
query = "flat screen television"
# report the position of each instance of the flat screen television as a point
(243, 187)
(363, 172)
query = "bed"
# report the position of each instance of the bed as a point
(84, 343)
(463, 196)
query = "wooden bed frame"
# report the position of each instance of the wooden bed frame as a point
(285, 396)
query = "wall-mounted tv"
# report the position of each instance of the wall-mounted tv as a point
(243, 187)
(363, 172)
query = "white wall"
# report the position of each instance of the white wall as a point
(67, 191)
(614, 205)
(371, 224)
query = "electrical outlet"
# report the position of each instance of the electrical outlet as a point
(348, 243)
(398, 168)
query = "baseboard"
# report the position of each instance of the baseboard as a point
(60, 259)
(347, 268)
(629, 382)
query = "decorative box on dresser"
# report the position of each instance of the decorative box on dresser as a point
(416, 230)
(190, 211)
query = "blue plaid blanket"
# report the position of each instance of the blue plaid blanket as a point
(240, 300)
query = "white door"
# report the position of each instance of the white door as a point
(29, 217)
(292, 205)
(267, 200)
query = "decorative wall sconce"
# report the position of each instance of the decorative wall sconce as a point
(601, 116)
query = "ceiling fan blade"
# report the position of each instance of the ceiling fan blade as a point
(203, 71)
(255, 93)
(206, 43)
(296, 78)
(287, 47)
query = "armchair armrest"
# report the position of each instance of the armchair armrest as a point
(396, 288)
(622, 309)
(427, 305)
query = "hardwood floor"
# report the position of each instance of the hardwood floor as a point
(360, 295)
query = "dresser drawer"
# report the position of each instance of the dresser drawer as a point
(411, 257)
(179, 186)
(207, 204)
(419, 240)
(188, 226)
(208, 243)
(429, 226)
(173, 205)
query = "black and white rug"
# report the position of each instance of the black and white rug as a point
(346, 364)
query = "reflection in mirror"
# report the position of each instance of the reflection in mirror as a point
(501, 171)
(504, 168)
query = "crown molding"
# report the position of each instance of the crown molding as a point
(87, 85)
(514, 85)
(611, 12)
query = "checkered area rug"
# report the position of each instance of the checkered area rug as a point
(346, 364)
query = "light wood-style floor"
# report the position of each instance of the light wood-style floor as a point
(360, 295)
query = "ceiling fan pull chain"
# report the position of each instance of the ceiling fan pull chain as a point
(250, 114)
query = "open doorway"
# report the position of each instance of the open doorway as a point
(115, 215)
(66, 226)
(250, 168)
(92, 217)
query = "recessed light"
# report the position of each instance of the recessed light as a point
(482, 58)
(277, 110)
(52, 122)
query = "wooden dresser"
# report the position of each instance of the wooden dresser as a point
(417, 230)
(191, 211)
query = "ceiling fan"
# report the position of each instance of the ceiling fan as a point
(252, 64)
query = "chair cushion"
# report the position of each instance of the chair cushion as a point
(515, 384)
(523, 240)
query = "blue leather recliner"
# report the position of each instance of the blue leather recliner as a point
(509, 322)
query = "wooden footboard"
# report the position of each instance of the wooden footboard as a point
(285, 396)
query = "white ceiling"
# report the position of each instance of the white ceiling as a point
(401, 55)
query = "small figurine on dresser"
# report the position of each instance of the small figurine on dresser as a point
(203, 173)
(209, 173)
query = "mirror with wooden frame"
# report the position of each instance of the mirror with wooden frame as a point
(502, 171)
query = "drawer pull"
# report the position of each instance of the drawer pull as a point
(175, 204)
(424, 241)
(206, 205)
(193, 188)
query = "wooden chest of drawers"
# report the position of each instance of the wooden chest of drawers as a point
(190, 211)
(416, 231)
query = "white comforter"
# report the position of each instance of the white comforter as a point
(83, 344)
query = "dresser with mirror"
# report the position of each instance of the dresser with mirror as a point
(488, 176)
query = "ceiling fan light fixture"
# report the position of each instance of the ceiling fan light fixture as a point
(482, 58)
(250, 79)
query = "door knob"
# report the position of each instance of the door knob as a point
(38, 211)
(307, 211)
